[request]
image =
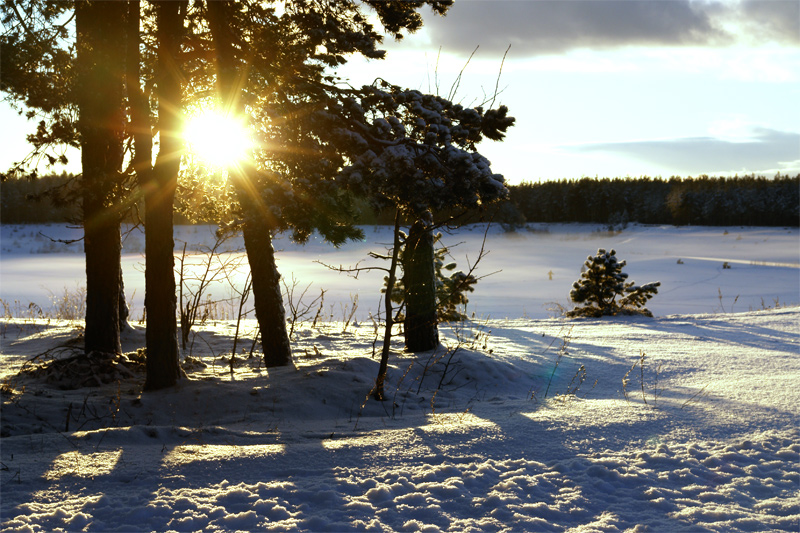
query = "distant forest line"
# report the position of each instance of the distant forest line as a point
(702, 201)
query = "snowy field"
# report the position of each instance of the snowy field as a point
(687, 421)
(764, 266)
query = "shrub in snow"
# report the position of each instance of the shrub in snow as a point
(451, 289)
(602, 282)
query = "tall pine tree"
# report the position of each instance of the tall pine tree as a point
(99, 87)
(417, 152)
(271, 66)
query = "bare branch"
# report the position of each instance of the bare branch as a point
(349, 271)
(497, 84)
(22, 21)
(472, 266)
(62, 241)
(457, 82)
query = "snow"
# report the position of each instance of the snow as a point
(764, 265)
(683, 422)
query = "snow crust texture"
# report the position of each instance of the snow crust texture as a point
(677, 423)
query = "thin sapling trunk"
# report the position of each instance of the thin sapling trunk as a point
(387, 333)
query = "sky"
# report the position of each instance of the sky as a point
(606, 88)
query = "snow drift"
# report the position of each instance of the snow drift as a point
(682, 422)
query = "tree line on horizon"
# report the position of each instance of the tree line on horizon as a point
(703, 201)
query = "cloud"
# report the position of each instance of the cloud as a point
(772, 20)
(536, 27)
(765, 149)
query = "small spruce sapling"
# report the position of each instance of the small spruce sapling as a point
(451, 287)
(602, 282)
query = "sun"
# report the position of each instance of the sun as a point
(217, 139)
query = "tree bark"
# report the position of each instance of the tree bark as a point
(139, 126)
(419, 279)
(159, 184)
(267, 297)
(256, 229)
(124, 312)
(100, 97)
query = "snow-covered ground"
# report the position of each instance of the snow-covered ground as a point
(764, 266)
(683, 422)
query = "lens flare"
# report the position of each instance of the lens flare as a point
(217, 139)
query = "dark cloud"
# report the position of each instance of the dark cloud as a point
(771, 20)
(766, 149)
(534, 27)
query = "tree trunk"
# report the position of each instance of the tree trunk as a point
(100, 96)
(102, 248)
(419, 280)
(267, 298)
(139, 111)
(139, 126)
(124, 312)
(160, 300)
